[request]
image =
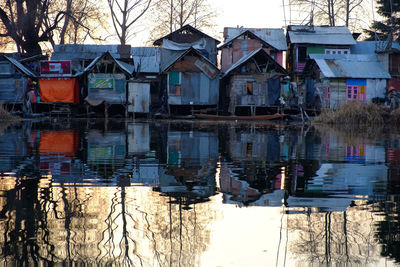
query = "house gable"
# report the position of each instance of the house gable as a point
(186, 34)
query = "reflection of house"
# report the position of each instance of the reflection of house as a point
(246, 145)
(242, 41)
(106, 152)
(335, 180)
(252, 82)
(237, 191)
(138, 138)
(57, 150)
(191, 163)
(333, 80)
(307, 40)
(13, 149)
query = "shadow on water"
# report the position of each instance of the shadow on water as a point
(144, 193)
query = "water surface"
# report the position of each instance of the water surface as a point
(192, 193)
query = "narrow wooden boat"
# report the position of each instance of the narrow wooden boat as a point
(257, 117)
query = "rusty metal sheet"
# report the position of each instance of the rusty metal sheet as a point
(138, 97)
(206, 68)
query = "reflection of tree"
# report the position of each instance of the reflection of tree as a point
(24, 219)
(343, 238)
(388, 232)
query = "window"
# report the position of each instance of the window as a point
(340, 51)
(5, 68)
(249, 88)
(348, 92)
(302, 54)
(327, 93)
(355, 92)
(174, 83)
(244, 45)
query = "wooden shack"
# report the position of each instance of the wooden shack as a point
(59, 89)
(241, 41)
(333, 80)
(192, 82)
(252, 84)
(106, 79)
(184, 38)
(306, 40)
(14, 79)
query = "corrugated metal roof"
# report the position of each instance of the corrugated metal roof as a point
(181, 54)
(370, 47)
(247, 57)
(351, 66)
(83, 51)
(20, 66)
(186, 27)
(241, 61)
(128, 68)
(326, 35)
(274, 37)
(146, 59)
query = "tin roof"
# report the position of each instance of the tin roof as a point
(128, 68)
(274, 37)
(181, 54)
(351, 66)
(187, 27)
(371, 47)
(20, 66)
(324, 35)
(247, 57)
(83, 51)
(146, 59)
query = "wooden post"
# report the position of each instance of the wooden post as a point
(87, 110)
(106, 110)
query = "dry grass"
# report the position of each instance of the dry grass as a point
(395, 117)
(353, 113)
(5, 115)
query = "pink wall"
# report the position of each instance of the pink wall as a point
(232, 54)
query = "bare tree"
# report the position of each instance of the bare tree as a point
(32, 22)
(124, 14)
(333, 12)
(174, 14)
(24, 22)
(78, 23)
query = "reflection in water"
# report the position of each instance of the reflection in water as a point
(153, 194)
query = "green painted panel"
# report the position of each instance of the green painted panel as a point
(120, 86)
(174, 78)
(101, 83)
(315, 50)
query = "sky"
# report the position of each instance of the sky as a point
(250, 13)
(246, 13)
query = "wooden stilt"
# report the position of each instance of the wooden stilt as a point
(106, 110)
